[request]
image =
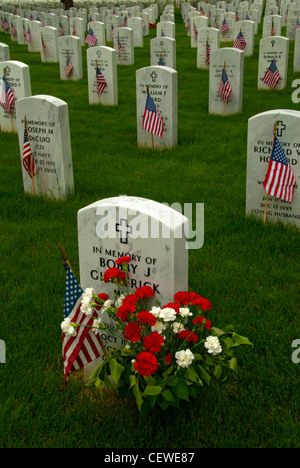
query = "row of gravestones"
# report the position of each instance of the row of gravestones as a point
(44, 119)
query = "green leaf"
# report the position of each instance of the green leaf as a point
(217, 331)
(233, 365)
(172, 381)
(218, 371)
(180, 390)
(191, 375)
(152, 390)
(204, 375)
(168, 395)
(241, 340)
(150, 380)
(138, 396)
(116, 369)
(132, 380)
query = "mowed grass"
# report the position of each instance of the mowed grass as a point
(248, 270)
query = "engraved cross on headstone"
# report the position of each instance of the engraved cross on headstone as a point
(280, 127)
(124, 230)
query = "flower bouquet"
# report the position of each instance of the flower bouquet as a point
(171, 351)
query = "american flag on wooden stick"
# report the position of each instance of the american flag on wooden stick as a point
(279, 181)
(28, 159)
(7, 96)
(91, 38)
(101, 83)
(84, 347)
(152, 120)
(272, 75)
(69, 67)
(225, 89)
(224, 28)
(240, 42)
(28, 36)
(207, 53)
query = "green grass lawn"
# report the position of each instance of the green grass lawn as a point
(248, 270)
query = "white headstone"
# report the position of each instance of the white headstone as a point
(69, 50)
(123, 44)
(77, 29)
(232, 60)
(296, 63)
(49, 44)
(49, 138)
(260, 139)
(18, 78)
(272, 26)
(105, 58)
(227, 22)
(151, 233)
(197, 23)
(98, 29)
(163, 52)
(136, 24)
(208, 40)
(34, 45)
(161, 82)
(165, 28)
(293, 17)
(273, 48)
(246, 29)
(4, 52)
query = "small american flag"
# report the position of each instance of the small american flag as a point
(240, 42)
(28, 159)
(188, 24)
(101, 83)
(125, 22)
(7, 96)
(28, 36)
(272, 75)
(272, 28)
(44, 46)
(225, 89)
(91, 38)
(84, 347)
(207, 53)
(5, 24)
(279, 181)
(61, 30)
(152, 120)
(119, 45)
(69, 67)
(112, 32)
(297, 24)
(13, 29)
(224, 27)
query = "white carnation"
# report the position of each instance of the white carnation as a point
(159, 327)
(212, 344)
(177, 327)
(87, 301)
(167, 314)
(67, 327)
(184, 358)
(95, 326)
(119, 301)
(185, 312)
(155, 311)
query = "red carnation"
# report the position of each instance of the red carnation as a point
(168, 358)
(188, 336)
(172, 305)
(131, 299)
(112, 273)
(153, 342)
(121, 260)
(132, 332)
(102, 297)
(183, 297)
(201, 302)
(146, 317)
(124, 310)
(147, 363)
(144, 291)
(202, 321)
